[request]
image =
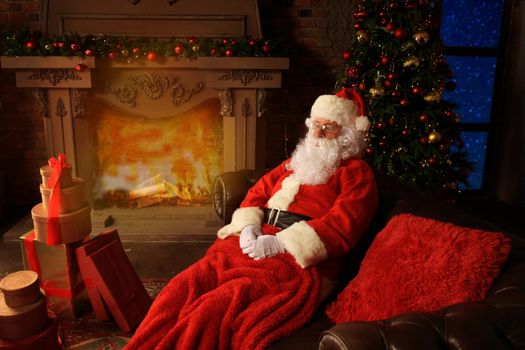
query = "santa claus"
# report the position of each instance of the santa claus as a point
(317, 204)
(293, 227)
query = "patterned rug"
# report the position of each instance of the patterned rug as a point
(89, 333)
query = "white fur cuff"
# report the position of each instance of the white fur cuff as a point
(303, 243)
(241, 218)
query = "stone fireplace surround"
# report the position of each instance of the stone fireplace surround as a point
(240, 83)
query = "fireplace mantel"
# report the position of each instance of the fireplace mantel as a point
(240, 82)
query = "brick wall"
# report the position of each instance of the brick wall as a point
(22, 143)
(316, 40)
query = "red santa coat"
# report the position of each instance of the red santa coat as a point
(341, 210)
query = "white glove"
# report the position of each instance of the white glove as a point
(264, 246)
(248, 234)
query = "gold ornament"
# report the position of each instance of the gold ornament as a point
(434, 96)
(407, 45)
(196, 48)
(377, 91)
(362, 37)
(412, 61)
(421, 38)
(434, 137)
(124, 52)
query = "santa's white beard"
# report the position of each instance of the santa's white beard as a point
(315, 159)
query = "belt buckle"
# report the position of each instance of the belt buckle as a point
(274, 211)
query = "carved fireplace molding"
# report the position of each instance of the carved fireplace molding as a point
(239, 83)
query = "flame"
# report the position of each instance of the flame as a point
(143, 161)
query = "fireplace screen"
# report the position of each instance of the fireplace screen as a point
(140, 161)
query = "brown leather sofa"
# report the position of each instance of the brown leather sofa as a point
(498, 322)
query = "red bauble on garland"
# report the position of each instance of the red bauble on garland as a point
(153, 56)
(81, 67)
(178, 49)
(346, 55)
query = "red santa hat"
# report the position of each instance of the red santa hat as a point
(346, 108)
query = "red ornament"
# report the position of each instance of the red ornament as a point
(346, 55)
(369, 151)
(61, 44)
(225, 41)
(112, 55)
(360, 14)
(400, 33)
(432, 161)
(80, 67)
(388, 83)
(423, 140)
(234, 42)
(353, 72)
(88, 52)
(396, 93)
(392, 121)
(390, 26)
(392, 76)
(153, 56)
(362, 86)
(214, 51)
(417, 90)
(30, 45)
(74, 46)
(423, 118)
(392, 5)
(228, 53)
(357, 26)
(385, 60)
(404, 102)
(405, 132)
(380, 125)
(252, 42)
(449, 115)
(178, 49)
(193, 40)
(266, 48)
(118, 46)
(136, 51)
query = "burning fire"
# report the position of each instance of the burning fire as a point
(142, 161)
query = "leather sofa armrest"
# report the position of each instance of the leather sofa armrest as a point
(229, 189)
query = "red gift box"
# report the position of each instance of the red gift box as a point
(59, 275)
(45, 339)
(112, 281)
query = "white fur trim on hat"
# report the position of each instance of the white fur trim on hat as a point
(241, 217)
(303, 243)
(340, 110)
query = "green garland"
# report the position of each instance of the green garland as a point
(133, 49)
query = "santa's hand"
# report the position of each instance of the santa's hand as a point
(264, 246)
(248, 234)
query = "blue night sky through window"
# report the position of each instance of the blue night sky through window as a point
(473, 24)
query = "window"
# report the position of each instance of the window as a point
(471, 33)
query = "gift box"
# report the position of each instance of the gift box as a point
(73, 226)
(111, 280)
(22, 321)
(45, 339)
(20, 288)
(59, 275)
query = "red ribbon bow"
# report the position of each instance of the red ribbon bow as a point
(53, 225)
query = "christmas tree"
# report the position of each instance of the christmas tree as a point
(396, 61)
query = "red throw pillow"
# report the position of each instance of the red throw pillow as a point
(420, 264)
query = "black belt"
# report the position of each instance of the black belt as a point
(282, 218)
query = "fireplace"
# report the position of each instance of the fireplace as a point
(149, 137)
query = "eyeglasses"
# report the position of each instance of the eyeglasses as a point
(326, 128)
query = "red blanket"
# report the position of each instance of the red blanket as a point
(227, 300)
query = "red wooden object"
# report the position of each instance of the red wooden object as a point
(105, 268)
